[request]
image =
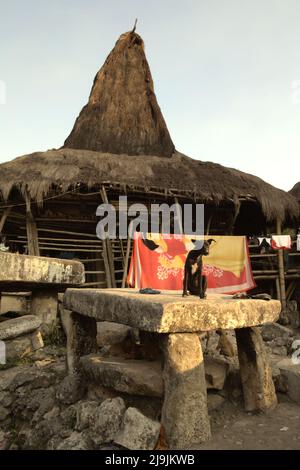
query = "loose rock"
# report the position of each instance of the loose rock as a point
(291, 377)
(86, 415)
(77, 441)
(71, 389)
(139, 432)
(108, 419)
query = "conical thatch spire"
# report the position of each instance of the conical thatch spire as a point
(122, 115)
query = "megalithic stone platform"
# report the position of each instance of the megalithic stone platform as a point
(175, 322)
(23, 271)
(169, 312)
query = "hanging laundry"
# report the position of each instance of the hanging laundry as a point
(264, 240)
(281, 242)
(158, 261)
(298, 242)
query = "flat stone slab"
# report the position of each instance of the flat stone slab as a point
(169, 312)
(17, 271)
(18, 326)
(135, 377)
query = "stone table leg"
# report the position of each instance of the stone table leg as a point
(81, 339)
(184, 413)
(44, 305)
(256, 374)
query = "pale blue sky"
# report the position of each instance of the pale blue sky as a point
(223, 70)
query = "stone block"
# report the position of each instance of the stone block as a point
(290, 374)
(139, 432)
(18, 326)
(135, 377)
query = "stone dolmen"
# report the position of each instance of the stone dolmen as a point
(171, 324)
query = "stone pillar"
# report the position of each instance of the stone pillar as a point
(256, 374)
(184, 413)
(44, 305)
(81, 339)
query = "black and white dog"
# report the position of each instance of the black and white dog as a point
(194, 282)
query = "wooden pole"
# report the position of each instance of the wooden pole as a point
(281, 270)
(178, 216)
(109, 251)
(209, 224)
(291, 290)
(278, 288)
(126, 262)
(106, 264)
(4, 217)
(32, 233)
(236, 213)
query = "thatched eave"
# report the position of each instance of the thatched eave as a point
(40, 172)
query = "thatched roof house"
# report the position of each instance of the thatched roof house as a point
(120, 144)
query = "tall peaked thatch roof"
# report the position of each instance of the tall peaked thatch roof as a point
(295, 191)
(122, 114)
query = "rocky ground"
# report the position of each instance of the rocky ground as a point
(43, 408)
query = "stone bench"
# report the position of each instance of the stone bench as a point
(176, 323)
(134, 377)
(42, 276)
(142, 377)
(19, 326)
(21, 336)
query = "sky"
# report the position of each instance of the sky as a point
(226, 75)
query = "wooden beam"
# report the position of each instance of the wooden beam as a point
(236, 214)
(74, 240)
(281, 270)
(291, 290)
(278, 288)
(109, 251)
(32, 233)
(106, 265)
(4, 217)
(65, 232)
(178, 215)
(126, 262)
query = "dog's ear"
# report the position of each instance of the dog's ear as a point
(150, 244)
(210, 240)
